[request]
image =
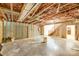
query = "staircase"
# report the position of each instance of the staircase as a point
(53, 30)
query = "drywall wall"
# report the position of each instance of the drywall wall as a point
(21, 30)
(13, 29)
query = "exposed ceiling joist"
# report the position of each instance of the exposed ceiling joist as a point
(11, 6)
(61, 22)
(8, 15)
(36, 9)
(37, 18)
(58, 8)
(63, 11)
(37, 22)
(42, 11)
(47, 9)
(32, 21)
(9, 11)
(64, 5)
(26, 11)
(2, 12)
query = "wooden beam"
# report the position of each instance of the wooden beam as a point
(60, 22)
(57, 11)
(64, 6)
(36, 6)
(42, 11)
(32, 21)
(45, 10)
(59, 8)
(8, 15)
(11, 6)
(36, 9)
(7, 10)
(2, 12)
(49, 16)
(37, 22)
(25, 12)
(33, 17)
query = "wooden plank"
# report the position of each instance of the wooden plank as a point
(1, 31)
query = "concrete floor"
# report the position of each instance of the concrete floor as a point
(54, 47)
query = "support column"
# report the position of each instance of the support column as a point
(1, 31)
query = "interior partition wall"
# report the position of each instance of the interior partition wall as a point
(14, 29)
(18, 30)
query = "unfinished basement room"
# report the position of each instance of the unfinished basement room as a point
(39, 29)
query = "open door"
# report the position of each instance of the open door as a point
(71, 36)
